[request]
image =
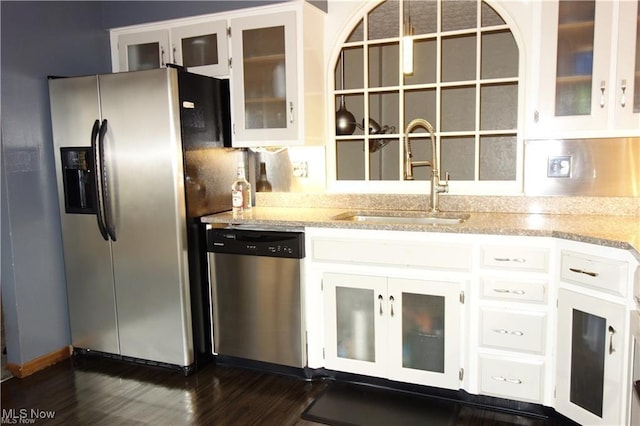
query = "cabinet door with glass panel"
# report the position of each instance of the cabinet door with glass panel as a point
(590, 69)
(143, 50)
(627, 78)
(401, 329)
(201, 48)
(590, 359)
(264, 78)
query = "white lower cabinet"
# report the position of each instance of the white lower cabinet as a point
(396, 328)
(511, 319)
(591, 347)
(546, 321)
(519, 331)
(511, 378)
(512, 353)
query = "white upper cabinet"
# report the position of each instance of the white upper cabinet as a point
(140, 50)
(627, 77)
(199, 45)
(264, 70)
(276, 75)
(589, 70)
(201, 48)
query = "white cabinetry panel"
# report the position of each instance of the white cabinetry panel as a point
(517, 331)
(509, 378)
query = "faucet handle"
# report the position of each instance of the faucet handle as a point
(446, 182)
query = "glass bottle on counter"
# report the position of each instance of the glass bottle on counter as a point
(241, 192)
(263, 185)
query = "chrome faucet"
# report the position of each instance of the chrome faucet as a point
(437, 187)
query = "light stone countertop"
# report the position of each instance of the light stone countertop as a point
(621, 232)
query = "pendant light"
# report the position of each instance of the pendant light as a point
(407, 43)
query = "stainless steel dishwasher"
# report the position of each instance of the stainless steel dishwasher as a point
(256, 295)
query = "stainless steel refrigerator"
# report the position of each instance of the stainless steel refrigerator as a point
(140, 157)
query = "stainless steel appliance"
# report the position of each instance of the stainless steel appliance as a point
(140, 157)
(257, 296)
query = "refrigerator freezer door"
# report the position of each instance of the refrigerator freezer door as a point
(90, 292)
(143, 159)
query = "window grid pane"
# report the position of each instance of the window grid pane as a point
(470, 90)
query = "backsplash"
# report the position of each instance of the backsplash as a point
(597, 181)
(613, 206)
(608, 167)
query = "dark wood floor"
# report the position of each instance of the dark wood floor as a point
(97, 391)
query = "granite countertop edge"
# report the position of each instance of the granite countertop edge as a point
(609, 231)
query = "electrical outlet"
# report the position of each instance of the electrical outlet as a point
(559, 167)
(300, 169)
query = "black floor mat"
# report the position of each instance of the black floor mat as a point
(345, 404)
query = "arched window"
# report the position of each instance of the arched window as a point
(464, 81)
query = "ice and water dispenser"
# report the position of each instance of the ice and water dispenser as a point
(78, 180)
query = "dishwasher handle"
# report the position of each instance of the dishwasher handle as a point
(256, 243)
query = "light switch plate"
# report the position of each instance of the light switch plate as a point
(559, 167)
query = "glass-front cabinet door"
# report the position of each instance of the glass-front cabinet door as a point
(401, 329)
(628, 72)
(201, 48)
(143, 50)
(590, 359)
(264, 77)
(588, 73)
(355, 323)
(424, 332)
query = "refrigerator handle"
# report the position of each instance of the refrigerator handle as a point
(105, 185)
(96, 181)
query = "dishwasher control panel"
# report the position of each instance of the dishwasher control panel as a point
(256, 243)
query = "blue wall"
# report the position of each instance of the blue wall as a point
(123, 13)
(38, 39)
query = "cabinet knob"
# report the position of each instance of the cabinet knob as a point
(623, 88)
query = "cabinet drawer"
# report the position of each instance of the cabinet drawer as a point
(405, 253)
(512, 330)
(513, 290)
(515, 258)
(604, 274)
(511, 379)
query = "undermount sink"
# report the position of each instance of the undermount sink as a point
(403, 217)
